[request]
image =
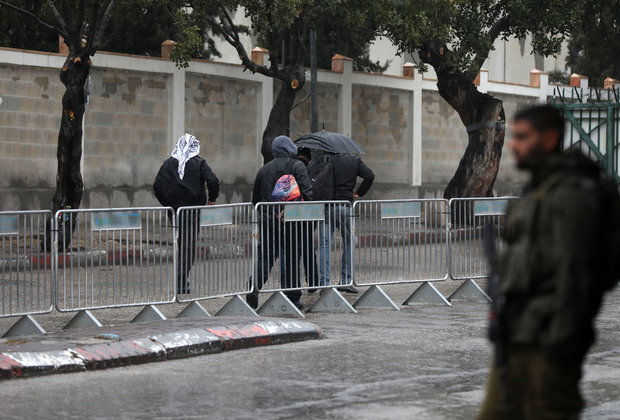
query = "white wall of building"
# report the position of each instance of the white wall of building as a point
(510, 61)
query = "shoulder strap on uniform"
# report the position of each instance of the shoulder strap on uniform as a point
(546, 186)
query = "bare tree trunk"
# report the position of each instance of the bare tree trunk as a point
(478, 168)
(69, 183)
(279, 117)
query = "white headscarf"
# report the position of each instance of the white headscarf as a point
(187, 147)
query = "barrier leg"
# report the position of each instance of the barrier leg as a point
(470, 291)
(83, 319)
(331, 301)
(279, 304)
(193, 310)
(426, 293)
(25, 326)
(148, 314)
(236, 307)
(375, 297)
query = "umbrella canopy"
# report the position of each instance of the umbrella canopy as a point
(329, 142)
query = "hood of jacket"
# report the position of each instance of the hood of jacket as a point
(283, 147)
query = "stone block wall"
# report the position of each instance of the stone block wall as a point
(125, 136)
(327, 109)
(29, 123)
(380, 126)
(139, 106)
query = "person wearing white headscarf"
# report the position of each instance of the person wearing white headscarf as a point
(180, 182)
(186, 148)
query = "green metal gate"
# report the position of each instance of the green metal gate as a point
(592, 124)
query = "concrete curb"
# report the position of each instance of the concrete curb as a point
(91, 354)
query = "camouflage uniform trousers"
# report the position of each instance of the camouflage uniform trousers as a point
(536, 389)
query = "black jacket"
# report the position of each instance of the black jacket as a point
(172, 191)
(268, 176)
(347, 168)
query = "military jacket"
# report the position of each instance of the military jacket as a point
(548, 270)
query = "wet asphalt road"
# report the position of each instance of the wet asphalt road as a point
(424, 362)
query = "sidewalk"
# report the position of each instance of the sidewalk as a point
(123, 345)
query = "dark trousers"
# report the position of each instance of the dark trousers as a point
(189, 230)
(536, 389)
(275, 238)
(303, 249)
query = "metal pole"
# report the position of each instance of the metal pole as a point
(314, 122)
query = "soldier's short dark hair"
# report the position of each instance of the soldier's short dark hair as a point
(543, 118)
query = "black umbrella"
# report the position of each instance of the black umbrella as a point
(329, 142)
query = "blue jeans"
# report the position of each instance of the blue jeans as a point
(337, 216)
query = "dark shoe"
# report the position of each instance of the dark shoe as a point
(299, 304)
(348, 289)
(312, 291)
(252, 300)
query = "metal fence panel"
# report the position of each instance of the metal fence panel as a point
(468, 216)
(400, 241)
(303, 245)
(25, 263)
(215, 251)
(114, 257)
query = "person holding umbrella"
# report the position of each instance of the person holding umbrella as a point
(347, 168)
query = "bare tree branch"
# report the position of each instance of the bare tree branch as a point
(102, 23)
(57, 16)
(70, 23)
(226, 29)
(494, 32)
(81, 15)
(35, 17)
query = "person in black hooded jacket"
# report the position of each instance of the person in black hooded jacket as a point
(181, 182)
(271, 240)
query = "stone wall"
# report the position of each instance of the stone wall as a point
(29, 123)
(140, 106)
(223, 114)
(125, 136)
(380, 127)
(327, 95)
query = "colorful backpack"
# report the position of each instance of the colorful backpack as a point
(286, 189)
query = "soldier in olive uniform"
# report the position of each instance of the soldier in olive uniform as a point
(552, 275)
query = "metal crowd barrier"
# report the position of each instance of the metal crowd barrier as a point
(215, 256)
(109, 258)
(303, 246)
(468, 216)
(26, 268)
(400, 241)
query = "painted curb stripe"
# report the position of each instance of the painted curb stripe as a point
(193, 342)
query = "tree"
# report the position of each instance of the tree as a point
(282, 25)
(594, 46)
(150, 22)
(82, 25)
(22, 34)
(455, 38)
(336, 36)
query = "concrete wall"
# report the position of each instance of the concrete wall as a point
(223, 114)
(380, 126)
(125, 136)
(29, 123)
(140, 106)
